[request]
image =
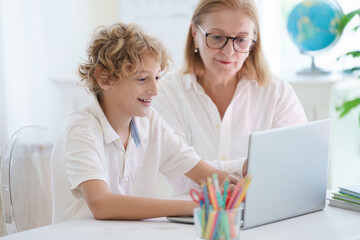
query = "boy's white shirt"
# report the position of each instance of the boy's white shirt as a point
(89, 148)
(223, 143)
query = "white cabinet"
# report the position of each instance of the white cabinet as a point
(314, 93)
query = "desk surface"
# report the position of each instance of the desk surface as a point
(331, 223)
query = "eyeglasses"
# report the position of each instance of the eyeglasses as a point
(218, 41)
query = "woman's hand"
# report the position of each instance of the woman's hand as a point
(244, 169)
(233, 180)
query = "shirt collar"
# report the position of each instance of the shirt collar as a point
(134, 132)
(142, 126)
(244, 81)
(109, 133)
(191, 82)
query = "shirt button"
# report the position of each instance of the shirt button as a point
(217, 126)
(223, 158)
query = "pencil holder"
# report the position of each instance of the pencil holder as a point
(217, 224)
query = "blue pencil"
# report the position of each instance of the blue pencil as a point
(206, 200)
(216, 229)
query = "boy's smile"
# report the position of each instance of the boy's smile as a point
(146, 102)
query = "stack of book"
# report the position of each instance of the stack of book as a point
(347, 197)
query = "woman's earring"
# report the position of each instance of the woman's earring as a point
(196, 50)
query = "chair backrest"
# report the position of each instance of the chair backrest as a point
(25, 179)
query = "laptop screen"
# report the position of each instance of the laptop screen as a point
(289, 169)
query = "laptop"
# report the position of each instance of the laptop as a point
(289, 173)
(289, 167)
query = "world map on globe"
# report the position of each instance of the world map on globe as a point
(313, 25)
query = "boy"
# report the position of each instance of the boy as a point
(107, 158)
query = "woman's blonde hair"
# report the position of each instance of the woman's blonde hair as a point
(118, 49)
(255, 67)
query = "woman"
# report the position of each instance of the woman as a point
(225, 90)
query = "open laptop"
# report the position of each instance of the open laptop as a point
(289, 173)
(289, 168)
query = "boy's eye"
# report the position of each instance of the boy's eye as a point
(141, 79)
(157, 78)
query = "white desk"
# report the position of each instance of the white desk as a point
(331, 223)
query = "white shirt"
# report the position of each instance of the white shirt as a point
(184, 105)
(89, 148)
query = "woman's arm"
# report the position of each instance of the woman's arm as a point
(106, 205)
(289, 110)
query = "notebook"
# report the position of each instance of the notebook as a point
(289, 168)
(289, 173)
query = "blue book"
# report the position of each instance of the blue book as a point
(351, 190)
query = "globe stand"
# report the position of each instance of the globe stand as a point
(313, 70)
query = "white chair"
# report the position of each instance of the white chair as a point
(25, 179)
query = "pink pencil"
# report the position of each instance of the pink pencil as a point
(232, 228)
(237, 197)
(235, 193)
(214, 225)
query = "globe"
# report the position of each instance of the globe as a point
(313, 27)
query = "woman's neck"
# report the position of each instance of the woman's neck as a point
(220, 90)
(212, 83)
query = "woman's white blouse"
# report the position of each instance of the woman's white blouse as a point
(184, 105)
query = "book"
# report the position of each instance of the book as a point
(351, 190)
(344, 204)
(345, 197)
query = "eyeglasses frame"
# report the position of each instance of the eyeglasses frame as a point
(227, 39)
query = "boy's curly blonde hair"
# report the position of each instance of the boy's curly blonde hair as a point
(118, 49)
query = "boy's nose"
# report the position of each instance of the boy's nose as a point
(154, 87)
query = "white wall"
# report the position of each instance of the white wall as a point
(42, 41)
(168, 20)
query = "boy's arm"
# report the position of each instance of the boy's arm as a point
(202, 170)
(106, 205)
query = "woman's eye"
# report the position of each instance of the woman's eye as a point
(241, 40)
(217, 37)
(141, 79)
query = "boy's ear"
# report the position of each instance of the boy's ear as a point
(102, 79)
